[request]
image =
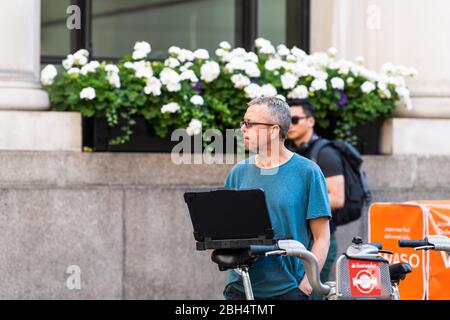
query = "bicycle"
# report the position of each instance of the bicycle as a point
(433, 242)
(361, 272)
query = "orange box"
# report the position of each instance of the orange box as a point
(390, 222)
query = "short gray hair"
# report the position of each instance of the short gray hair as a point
(279, 112)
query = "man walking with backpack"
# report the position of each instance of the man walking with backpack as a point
(301, 140)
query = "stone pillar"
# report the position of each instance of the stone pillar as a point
(20, 56)
(404, 32)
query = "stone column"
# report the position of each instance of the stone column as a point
(404, 32)
(20, 56)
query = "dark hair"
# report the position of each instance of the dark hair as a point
(305, 104)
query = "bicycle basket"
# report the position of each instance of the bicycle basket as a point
(366, 277)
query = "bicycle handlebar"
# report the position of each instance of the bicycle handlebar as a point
(296, 249)
(412, 243)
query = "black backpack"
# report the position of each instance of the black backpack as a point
(357, 194)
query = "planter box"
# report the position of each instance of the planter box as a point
(97, 134)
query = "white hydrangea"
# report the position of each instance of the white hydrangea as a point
(138, 55)
(68, 62)
(111, 68)
(194, 128)
(288, 81)
(220, 52)
(172, 62)
(350, 80)
(48, 74)
(73, 71)
(153, 86)
(143, 46)
(332, 52)
(113, 79)
(209, 71)
(318, 84)
(264, 46)
(273, 64)
(90, 67)
(189, 75)
(300, 92)
(337, 83)
(359, 60)
(252, 70)
(253, 90)
(174, 50)
(185, 55)
(201, 54)
(268, 90)
(383, 90)
(171, 107)
(236, 63)
(87, 93)
(144, 72)
(251, 57)
(197, 100)
(225, 45)
(291, 58)
(367, 87)
(298, 53)
(171, 79)
(80, 57)
(282, 50)
(240, 81)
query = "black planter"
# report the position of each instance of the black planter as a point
(97, 135)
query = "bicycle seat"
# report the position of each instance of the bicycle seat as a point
(231, 258)
(398, 271)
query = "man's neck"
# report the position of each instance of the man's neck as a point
(304, 139)
(273, 157)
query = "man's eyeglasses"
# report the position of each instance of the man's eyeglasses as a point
(249, 124)
(296, 119)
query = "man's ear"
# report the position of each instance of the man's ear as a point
(311, 122)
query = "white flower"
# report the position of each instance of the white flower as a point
(236, 63)
(185, 55)
(73, 71)
(299, 53)
(111, 68)
(48, 74)
(282, 50)
(264, 46)
(268, 90)
(332, 52)
(240, 81)
(189, 75)
(144, 72)
(337, 83)
(143, 46)
(251, 57)
(81, 57)
(138, 55)
(253, 90)
(68, 62)
(273, 64)
(288, 81)
(201, 54)
(252, 70)
(359, 60)
(220, 52)
(87, 93)
(90, 67)
(291, 58)
(367, 87)
(280, 96)
(318, 84)
(383, 90)
(402, 92)
(171, 79)
(225, 45)
(350, 80)
(171, 107)
(209, 71)
(300, 92)
(153, 86)
(267, 49)
(171, 62)
(174, 50)
(195, 127)
(113, 79)
(197, 100)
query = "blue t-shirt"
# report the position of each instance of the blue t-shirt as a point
(295, 193)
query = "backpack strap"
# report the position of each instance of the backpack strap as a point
(317, 146)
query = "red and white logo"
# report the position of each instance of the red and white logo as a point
(364, 278)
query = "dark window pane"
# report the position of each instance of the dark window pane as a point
(55, 37)
(272, 20)
(189, 24)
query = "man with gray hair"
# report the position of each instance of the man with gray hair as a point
(296, 198)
